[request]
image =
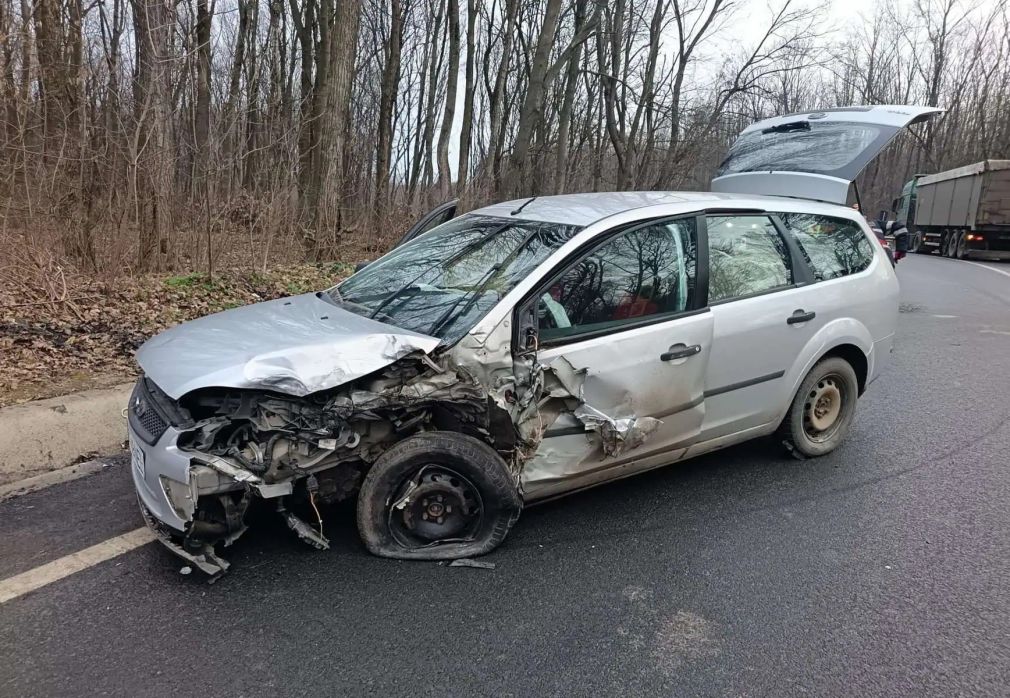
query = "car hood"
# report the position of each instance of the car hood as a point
(294, 345)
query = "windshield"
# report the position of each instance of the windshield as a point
(836, 148)
(443, 281)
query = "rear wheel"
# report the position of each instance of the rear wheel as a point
(823, 408)
(952, 245)
(437, 496)
(961, 246)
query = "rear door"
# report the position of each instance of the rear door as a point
(763, 316)
(812, 155)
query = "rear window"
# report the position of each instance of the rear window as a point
(822, 147)
(834, 247)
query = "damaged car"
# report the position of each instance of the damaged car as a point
(527, 350)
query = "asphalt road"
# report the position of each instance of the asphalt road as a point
(882, 569)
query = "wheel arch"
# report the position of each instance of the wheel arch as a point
(856, 358)
(846, 338)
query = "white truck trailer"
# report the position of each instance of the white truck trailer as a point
(960, 213)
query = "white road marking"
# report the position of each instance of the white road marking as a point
(1004, 332)
(985, 266)
(56, 477)
(18, 585)
(945, 317)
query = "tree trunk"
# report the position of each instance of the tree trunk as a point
(153, 22)
(469, 88)
(388, 91)
(529, 114)
(341, 54)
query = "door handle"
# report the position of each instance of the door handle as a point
(799, 316)
(680, 351)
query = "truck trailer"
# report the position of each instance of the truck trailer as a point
(960, 213)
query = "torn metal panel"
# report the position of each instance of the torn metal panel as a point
(619, 435)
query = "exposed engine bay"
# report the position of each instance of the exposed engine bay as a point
(248, 445)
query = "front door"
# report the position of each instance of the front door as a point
(625, 345)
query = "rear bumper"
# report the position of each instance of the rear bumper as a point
(880, 355)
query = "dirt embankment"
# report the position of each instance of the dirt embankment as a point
(84, 336)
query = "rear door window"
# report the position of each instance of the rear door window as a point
(747, 256)
(833, 247)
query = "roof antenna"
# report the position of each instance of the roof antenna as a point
(523, 205)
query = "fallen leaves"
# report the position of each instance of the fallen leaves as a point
(88, 340)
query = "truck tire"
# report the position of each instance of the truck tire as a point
(823, 408)
(437, 495)
(960, 246)
(917, 246)
(948, 244)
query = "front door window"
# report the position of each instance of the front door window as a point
(644, 274)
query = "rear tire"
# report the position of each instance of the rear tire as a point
(437, 496)
(960, 246)
(823, 408)
(952, 246)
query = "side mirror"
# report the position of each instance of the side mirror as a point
(361, 265)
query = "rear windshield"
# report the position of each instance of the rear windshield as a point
(442, 282)
(837, 148)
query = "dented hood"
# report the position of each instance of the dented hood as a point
(294, 345)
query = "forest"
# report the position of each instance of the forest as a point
(166, 135)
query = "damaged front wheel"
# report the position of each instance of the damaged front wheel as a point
(437, 496)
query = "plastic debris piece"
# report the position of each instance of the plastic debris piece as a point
(468, 562)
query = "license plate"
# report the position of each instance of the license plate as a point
(137, 458)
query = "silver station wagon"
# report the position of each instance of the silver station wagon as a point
(530, 349)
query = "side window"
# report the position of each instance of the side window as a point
(746, 256)
(833, 246)
(645, 272)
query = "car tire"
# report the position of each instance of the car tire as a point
(437, 496)
(823, 408)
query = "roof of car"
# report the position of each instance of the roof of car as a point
(586, 209)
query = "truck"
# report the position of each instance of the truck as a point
(961, 213)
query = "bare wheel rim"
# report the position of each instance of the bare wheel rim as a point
(435, 505)
(824, 407)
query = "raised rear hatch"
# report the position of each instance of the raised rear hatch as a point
(812, 155)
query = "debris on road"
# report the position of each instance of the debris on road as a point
(470, 562)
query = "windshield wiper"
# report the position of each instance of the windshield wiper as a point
(789, 127)
(485, 282)
(473, 296)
